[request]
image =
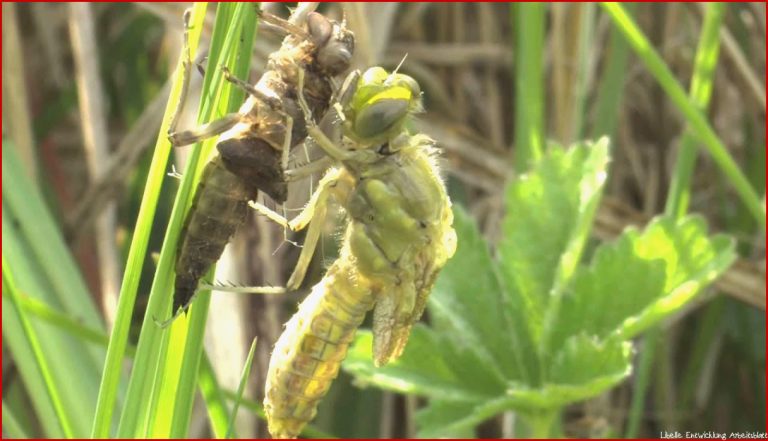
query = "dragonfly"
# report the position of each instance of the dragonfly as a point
(254, 143)
(398, 236)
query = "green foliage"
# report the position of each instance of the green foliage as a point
(162, 385)
(698, 122)
(532, 329)
(37, 266)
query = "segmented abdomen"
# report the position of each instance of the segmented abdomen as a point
(220, 206)
(307, 356)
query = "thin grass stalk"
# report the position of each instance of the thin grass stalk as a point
(155, 367)
(708, 332)
(642, 380)
(698, 122)
(218, 414)
(137, 252)
(610, 88)
(704, 68)
(243, 29)
(138, 249)
(529, 84)
(585, 69)
(9, 289)
(209, 388)
(63, 321)
(241, 389)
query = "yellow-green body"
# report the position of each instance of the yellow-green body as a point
(398, 238)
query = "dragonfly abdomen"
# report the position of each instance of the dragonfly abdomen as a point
(307, 357)
(220, 206)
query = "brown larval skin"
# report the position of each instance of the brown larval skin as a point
(248, 158)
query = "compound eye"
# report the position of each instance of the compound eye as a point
(335, 57)
(320, 28)
(408, 82)
(374, 76)
(376, 118)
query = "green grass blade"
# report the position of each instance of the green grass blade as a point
(162, 407)
(529, 84)
(11, 425)
(253, 406)
(9, 288)
(156, 382)
(144, 359)
(138, 249)
(209, 388)
(237, 48)
(43, 267)
(241, 389)
(587, 13)
(642, 380)
(610, 88)
(701, 90)
(64, 322)
(698, 122)
(214, 398)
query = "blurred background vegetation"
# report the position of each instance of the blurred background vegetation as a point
(84, 90)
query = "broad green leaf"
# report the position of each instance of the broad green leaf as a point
(642, 278)
(420, 370)
(583, 368)
(466, 305)
(549, 211)
(438, 418)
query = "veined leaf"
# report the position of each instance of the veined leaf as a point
(549, 211)
(421, 370)
(469, 308)
(584, 367)
(642, 278)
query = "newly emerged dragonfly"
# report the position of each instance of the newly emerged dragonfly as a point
(398, 237)
(254, 143)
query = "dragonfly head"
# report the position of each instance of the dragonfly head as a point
(381, 105)
(334, 41)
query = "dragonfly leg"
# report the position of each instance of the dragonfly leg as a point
(184, 137)
(312, 216)
(248, 88)
(186, 65)
(270, 214)
(245, 289)
(308, 169)
(205, 131)
(314, 130)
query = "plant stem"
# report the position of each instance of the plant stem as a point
(700, 94)
(701, 127)
(529, 90)
(540, 422)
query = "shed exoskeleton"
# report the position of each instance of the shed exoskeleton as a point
(252, 151)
